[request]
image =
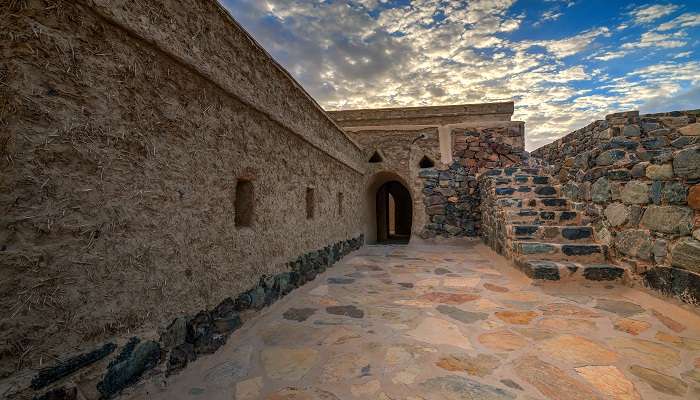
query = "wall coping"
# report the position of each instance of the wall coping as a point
(392, 116)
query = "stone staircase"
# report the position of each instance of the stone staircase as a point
(548, 236)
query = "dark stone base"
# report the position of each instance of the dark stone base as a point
(49, 375)
(676, 282)
(188, 337)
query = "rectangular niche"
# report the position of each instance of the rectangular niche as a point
(244, 205)
(310, 206)
(340, 204)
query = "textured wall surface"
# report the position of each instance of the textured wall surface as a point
(640, 179)
(445, 199)
(122, 140)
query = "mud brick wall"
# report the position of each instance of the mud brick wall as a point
(639, 177)
(452, 199)
(124, 129)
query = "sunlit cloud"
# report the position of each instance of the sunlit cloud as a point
(373, 53)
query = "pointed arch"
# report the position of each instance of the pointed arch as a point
(376, 157)
(426, 162)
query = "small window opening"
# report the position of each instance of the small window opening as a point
(426, 162)
(376, 158)
(340, 204)
(244, 203)
(309, 203)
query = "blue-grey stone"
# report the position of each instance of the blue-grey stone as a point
(600, 191)
(577, 233)
(609, 157)
(631, 131)
(536, 248)
(686, 163)
(619, 175)
(545, 191)
(580, 249)
(686, 254)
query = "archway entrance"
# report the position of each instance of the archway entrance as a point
(394, 213)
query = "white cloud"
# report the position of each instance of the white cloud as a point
(646, 14)
(610, 55)
(655, 39)
(551, 15)
(438, 52)
(687, 20)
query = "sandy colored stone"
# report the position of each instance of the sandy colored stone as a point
(366, 389)
(341, 367)
(292, 393)
(495, 288)
(502, 341)
(438, 331)
(660, 382)
(619, 307)
(427, 283)
(631, 326)
(341, 335)
(525, 297)
(610, 382)
(690, 130)
(484, 304)
(692, 375)
(448, 298)
(517, 317)
(453, 387)
(249, 389)
(481, 365)
(670, 323)
(682, 342)
(405, 377)
(568, 310)
(646, 352)
(565, 324)
(321, 290)
(552, 381)
(287, 363)
(577, 350)
(461, 282)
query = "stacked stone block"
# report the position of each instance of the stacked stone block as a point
(639, 178)
(451, 194)
(527, 220)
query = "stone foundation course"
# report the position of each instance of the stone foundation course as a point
(187, 337)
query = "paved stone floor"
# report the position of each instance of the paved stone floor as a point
(441, 322)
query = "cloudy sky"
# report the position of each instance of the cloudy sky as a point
(565, 63)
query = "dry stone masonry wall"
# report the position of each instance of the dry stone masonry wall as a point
(452, 200)
(639, 177)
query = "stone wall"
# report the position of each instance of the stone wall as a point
(460, 140)
(126, 126)
(639, 177)
(452, 199)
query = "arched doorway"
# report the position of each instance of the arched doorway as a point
(394, 211)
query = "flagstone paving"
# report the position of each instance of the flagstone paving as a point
(448, 322)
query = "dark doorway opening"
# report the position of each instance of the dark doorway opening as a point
(394, 213)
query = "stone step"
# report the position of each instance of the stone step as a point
(513, 171)
(516, 180)
(546, 203)
(584, 253)
(526, 192)
(530, 216)
(552, 233)
(565, 270)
